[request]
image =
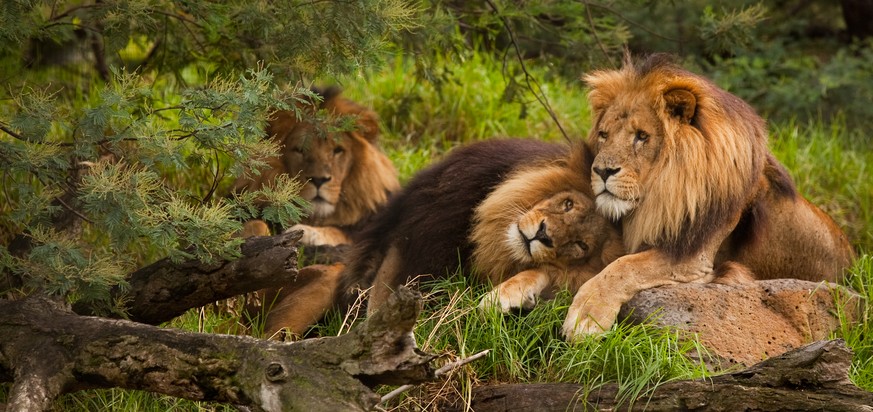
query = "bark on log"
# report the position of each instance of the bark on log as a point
(812, 378)
(328, 374)
(164, 290)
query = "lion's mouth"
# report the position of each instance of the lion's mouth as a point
(612, 206)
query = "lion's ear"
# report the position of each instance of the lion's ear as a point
(368, 125)
(681, 104)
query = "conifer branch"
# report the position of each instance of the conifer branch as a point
(12, 133)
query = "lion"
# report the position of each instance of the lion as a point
(498, 206)
(539, 230)
(505, 206)
(347, 177)
(684, 167)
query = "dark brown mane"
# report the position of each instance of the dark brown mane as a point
(430, 219)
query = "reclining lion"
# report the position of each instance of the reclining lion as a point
(684, 167)
(346, 177)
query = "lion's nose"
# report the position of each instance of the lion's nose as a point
(604, 173)
(540, 236)
(318, 181)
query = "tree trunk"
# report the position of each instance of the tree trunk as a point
(163, 290)
(858, 15)
(811, 378)
(328, 374)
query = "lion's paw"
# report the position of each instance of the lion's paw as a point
(507, 299)
(311, 236)
(320, 235)
(588, 317)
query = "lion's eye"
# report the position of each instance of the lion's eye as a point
(641, 136)
(298, 150)
(602, 135)
(568, 205)
(338, 150)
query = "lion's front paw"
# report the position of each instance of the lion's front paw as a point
(588, 316)
(311, 235)
(518, 292)
(509, 298)
(321, 235)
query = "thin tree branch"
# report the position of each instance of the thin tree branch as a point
(633, 23)
(594, 31)
(439, 372)
(529, 79)
(73, 211)
(12, 133)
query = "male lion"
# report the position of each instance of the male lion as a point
(684, 166)
(347, 178)
(508, 207)
(502, 205)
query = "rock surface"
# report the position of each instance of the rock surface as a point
(745, 323)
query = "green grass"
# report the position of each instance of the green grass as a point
(422, 120)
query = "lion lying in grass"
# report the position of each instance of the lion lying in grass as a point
(346, 176)
(502, 206)
(684, 167)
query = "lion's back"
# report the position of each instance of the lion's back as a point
(429, 220)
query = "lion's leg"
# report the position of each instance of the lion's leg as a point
(597, 302)
(386, 280)
(519, 291)
(255, 227)
(297, 308)
(321, 235)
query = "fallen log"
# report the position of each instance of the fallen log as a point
(164, 290)
(811, 378)
(327, 374)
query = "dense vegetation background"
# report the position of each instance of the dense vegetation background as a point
(123, 122)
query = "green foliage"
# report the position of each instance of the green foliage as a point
(129, 162)
(732, 31)
(298, 38)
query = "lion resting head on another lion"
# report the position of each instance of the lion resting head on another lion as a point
(684, 167)
(346, 177)
(540, 228)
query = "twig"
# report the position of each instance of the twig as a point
(594, 30)
(633, 23)
(528, 78)
(439, 372)
(12, 133)
(73, 211)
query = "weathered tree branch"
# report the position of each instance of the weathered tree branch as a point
(163, 290)
(327, 374)
(812, 378)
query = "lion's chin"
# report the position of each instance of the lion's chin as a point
(321, 209)
(516, 245)
(612, 207)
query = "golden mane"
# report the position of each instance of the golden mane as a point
(522, 189)
(365, 185)
(708, 167)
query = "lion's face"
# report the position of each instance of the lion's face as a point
(322, 161)
(563, 229)
(627, 141)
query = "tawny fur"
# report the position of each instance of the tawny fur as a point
(357, 176)
(684, 166)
